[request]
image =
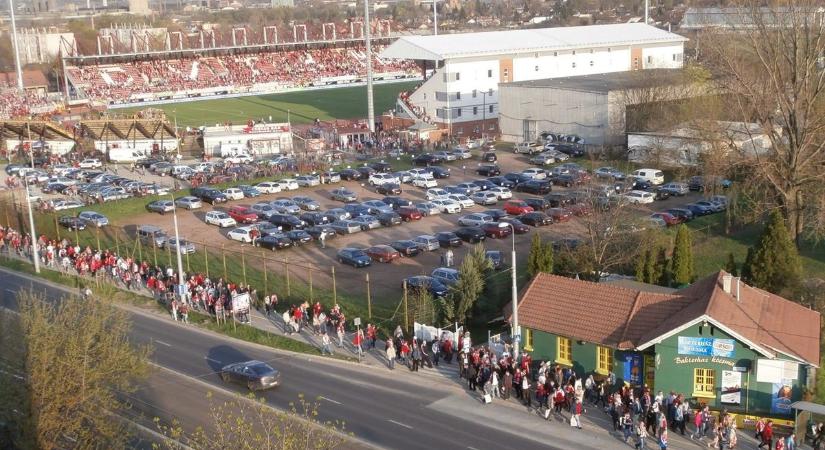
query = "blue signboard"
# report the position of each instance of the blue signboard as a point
(633, 369)
(706, 346)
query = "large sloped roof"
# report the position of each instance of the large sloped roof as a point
(635, 319)
(446, 46)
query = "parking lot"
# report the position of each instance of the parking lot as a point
(385, 278)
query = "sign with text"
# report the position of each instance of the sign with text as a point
(633, 369)
(731, 387)
(706, 346)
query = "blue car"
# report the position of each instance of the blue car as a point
(354, 257)
(434, 286)
(249, 191)
(698, 210)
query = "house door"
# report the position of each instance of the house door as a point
(529, 130)
(650, 371)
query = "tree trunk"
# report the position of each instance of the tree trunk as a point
(793, 210)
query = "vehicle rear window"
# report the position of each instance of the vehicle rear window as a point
(658, 174)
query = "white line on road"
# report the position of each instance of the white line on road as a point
(471, 448)
(400, 424)
(212, 360)
(329, 400)
(162, 343)
(9, 290)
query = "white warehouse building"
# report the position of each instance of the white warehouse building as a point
(460, 93)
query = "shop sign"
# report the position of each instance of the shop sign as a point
(731, 387)
(704, 360)
(633, 369)
(706, 346)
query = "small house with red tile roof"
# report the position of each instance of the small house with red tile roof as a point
(718, 341)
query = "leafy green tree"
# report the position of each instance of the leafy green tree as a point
(534, 257)
(79, 367)
(682, 260)
(730, 266)
(642, 266)
(469, 287)
(665, 272)
(747, 275)
(547, 258)
(776, 266)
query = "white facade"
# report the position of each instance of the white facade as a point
(146, 146)
(257, 140)
(470, 67)
(43, 46)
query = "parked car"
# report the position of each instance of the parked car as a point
(377, 179)
(406, 247)
(502, 182)
(306, 203)
(409, 213)
(381, 166)
(502, 193)
(287, 222)
(389, 219)
(654, 176)
(427, 242)
(183, 246)
(255, 375)
(445, 275)
(426, 159)
(559, 214)
(209, 195)
(699, 210)
(471, 234)
(484, 184)
(715, 206)
(298, 237)
(314, 218)
(346, 226)
(151, 235)
(377, 206)
(242, 234)
(330, 177)
(287, 184)
(72, 222)
(488, 170)
(243, 214)
(669, 219)
(161, 206)
(396, 202)
(308, 180)
(448, 239)
(535, 219)
(268, 187)
(368, 222)
(423, 282)
(610, 172)
(354, 257)
(220, 219)
(90, 163)
(276, 241)
(436, 193)
(484, 198)
(517, 207)
(233, 193)
(489, 157)
(427, 208)
(639, 197)
(286, 206)
(336, 214)
(496, 230)
(343, 195)
(534, 173)
(382, 253)
(424, 183)
(263, 210)
(543, 159)
(496, 214)
(355, 209)
(474, 220)
(462, 200)
(517, 226)
(350, 175)
(537, 203)
(439, 172)
(316, 230)
(93, 218)
(675, 189)
(447, 205)
(684, 214)
(389, 189)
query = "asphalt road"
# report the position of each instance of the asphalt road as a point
(378, 409)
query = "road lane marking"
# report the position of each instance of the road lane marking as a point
(162, 343)
(400, 424)
(471, 448)
(212, 360)
(329, 400)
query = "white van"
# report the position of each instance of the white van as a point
(654, 176)
(125, 155)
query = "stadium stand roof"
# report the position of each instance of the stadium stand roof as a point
(446, 46)
(127, 129)
(33, 129)
(31, 79)
(603, 83)
(744, 18)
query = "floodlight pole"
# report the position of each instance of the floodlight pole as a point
(16, 49)
(435, 18)
(35, 253)
(370, 107)
(514, 329)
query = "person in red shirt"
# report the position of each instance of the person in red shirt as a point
(767, 435)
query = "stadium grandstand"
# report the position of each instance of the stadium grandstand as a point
(149, 70)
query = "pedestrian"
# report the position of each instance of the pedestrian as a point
(767, 435)
(494, 384)
(325, 344)
(575, 419)
(436, 351)
(390, 354)
(641, 434)
(790, 442)
(357, 341)
(322, 239)
(525, 389)
(627, 425)
(507, 385)
(267, 305)
(416, 355)
(663, 439)
(184, 312)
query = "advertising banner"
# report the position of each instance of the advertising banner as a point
(240, 303)
(731, 387)
(633, 369)
(781, 397)
(706, 346)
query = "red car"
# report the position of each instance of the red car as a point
(516, 224)
(242, 214)
(409, 213)
(496, 230)
(517, 207)
(579, 209)
(559, 214)
(669, 218)
(382, 253)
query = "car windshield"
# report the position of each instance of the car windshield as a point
(261, 369)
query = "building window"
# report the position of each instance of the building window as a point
(458, 112)
(591, 63)
(457, 76)
(446, 77)
(604, 360)
(491, 108)
(490, 93)
(458, 95)
(528, 340)
(704, 382)
(574, 65)
(475, 93)
(475, 110)
(489, 73)
(574, 53)
(650, 60)
(564, 351)
(555, 53)
(506, 73)
(537, 68)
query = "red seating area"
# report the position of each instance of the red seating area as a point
(120, 83)
(14, 103)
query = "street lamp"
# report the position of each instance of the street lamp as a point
(514, 326)
(181, 290)
(31, 225)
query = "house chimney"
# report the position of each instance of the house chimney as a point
(726, 282)
(738, 282)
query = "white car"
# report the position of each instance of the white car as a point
(639, 197)
(428, 208)
(220, 219)
(535, 173)
(502, 192)
(242, 234)
(240, 158)
(462, 153)
(424, 182)
(421, 173)
(485, 198)
(288, 184)
(203, 167)
(268, 187)
(475, 220)
(308, 180)
(233, 194)
(447, 205)
(427, 242)
(463, 200)
(62, 180)
(377, 179)
(90, 163)
(435, 194)
(60, 205)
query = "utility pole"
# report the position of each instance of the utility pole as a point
(514, 325)
(33, 231)
(16, 49)
(647, 8)
(370, 108)
(435, 18)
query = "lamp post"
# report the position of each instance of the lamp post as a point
(514, 324)
(31, 225)
(181, 285)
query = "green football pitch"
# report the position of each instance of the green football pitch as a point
(303, 107)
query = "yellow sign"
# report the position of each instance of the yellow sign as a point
(703, 360)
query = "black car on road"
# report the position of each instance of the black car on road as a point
(350, 175)
(287, 222)
(253, 374)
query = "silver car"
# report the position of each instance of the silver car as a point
(346, 226)
(428, 208)
(252, 374)
(184, 246)
(161, 206)
(286, 206)
(306, 203)
(94, 218)
(427, 243)
(343, 195)
(367, 222)
(188, 202)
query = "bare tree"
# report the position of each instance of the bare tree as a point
(64, 367)
(770, 62)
